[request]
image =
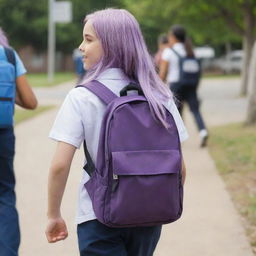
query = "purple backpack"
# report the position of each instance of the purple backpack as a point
(136, 180)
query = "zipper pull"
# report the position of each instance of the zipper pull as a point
(115, 182)
(115, 177)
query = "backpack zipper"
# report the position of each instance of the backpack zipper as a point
(115, 177)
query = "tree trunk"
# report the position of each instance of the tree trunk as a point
(248, 40)
(228, 57)
(251, 113)
(247, 49)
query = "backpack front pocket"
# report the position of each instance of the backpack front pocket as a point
(146, 187)
(6, 112)
(7, 95)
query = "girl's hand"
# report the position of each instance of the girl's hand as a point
(56, 230)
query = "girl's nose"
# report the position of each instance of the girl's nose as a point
(81, 47)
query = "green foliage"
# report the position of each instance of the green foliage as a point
(41, 79)
(211, 22)
(26, 22)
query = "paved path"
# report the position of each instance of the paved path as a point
(53, 95)
(210, 225)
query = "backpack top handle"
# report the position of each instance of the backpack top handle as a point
(131, 87)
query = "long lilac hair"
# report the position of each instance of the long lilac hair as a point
(3, 39)
(124, 47)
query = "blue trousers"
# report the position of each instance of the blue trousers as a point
(9, 224)
(96, 239)
(188, 95)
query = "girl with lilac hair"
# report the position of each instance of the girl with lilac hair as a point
(115, 54)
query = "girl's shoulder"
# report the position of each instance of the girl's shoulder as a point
(167, 51)
(79, 93)
(82, 96)
(168, 54)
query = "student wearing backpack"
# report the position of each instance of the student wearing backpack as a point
(78, 62)
(14, 88)
(181, 71)
(119, 132)
(162, 44)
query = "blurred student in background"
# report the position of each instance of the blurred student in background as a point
(181, 71)
(14, 88)
(79, 65)
(162, 44)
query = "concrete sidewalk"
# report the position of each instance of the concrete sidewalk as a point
(210, 225)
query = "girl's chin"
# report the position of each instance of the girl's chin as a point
(85, 65)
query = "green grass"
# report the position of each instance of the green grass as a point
(41, 79)
(22, 114)
(233, 147)
(221, 76)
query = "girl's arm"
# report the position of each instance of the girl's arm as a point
(56, 229)
(163, 69)
(24, 94)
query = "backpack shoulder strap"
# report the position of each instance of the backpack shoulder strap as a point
(106, 96)
(176, 53)
(100, 90)
(89, 167)
(10, 56)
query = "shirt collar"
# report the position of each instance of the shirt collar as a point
(178, 45)
(113, 74)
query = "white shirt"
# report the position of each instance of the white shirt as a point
(168, 55)
(80, 118)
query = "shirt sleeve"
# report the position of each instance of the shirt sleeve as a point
(166, 54)
(20, 69)
(68, 126)
(183, 134)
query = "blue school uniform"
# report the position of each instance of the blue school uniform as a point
(9, 224)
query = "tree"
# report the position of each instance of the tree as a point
(26, 22)
(213, 21)
(201, 20)
(243, 23)
(251, 113)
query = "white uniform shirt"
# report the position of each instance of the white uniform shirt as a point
(173, 73)
(80, 118)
